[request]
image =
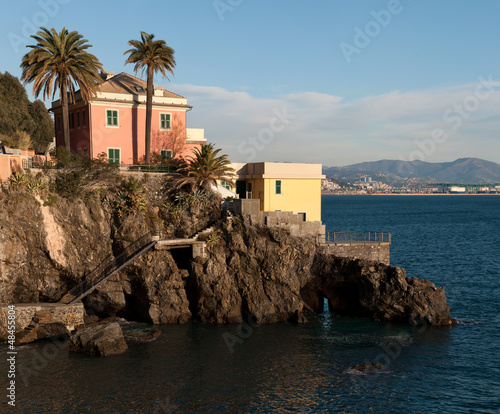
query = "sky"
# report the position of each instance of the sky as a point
(335, 82)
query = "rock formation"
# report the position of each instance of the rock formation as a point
(99, 339)
(250, 271)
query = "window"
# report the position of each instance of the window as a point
(84, 119)
(111, 117)
(71, 120)
(278, 187)
(165, 154)
(225, 184)
(165, 121)
(85, 152)
(303, 215)
(114, 155)
(78, 119)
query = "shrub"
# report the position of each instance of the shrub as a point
(19, 180)
(130, 197)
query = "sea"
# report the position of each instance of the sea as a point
(451, 240)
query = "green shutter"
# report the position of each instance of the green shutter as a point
(278, 186)
(114, 155)
(165, 121)
(166, 154)
(112, 117)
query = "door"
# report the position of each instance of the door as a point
(241, 188)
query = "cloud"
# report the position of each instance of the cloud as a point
(318, 127)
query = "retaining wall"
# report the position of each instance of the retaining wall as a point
(375, 252)
(287, 219)
(70, 315)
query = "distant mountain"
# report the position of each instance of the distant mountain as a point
(463, 170)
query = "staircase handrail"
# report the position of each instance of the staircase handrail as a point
(108, 265)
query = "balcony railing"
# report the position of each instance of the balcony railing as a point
(148, 168)
(358, 237)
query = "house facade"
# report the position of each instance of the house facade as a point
(113, 122)
(282, 187)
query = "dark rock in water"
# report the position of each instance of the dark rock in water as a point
(48, 330)
(298, 317)
(27, 335)
(99, 339)
(35, 331)
(142, 336)
(375, 290)
(368, 367)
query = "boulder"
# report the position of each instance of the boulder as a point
(375, 290)
(99, 339)
(48, 330)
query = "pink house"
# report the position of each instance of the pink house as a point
(113, 122)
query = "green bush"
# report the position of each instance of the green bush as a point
(130, 197)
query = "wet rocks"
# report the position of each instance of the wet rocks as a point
(252, 271)
(375, 290)
(99, 340)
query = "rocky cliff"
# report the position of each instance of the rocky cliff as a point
(249, 271)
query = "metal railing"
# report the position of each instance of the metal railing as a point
(358, 237)
(109, 266)
(148, 168)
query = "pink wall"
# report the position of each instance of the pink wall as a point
(128, 136)
(10, 164)
(79, 135)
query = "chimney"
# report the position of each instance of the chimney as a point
(107, 74)
(158, 90)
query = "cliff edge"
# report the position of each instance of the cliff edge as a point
(249, 270)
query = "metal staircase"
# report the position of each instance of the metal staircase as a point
(108, 268)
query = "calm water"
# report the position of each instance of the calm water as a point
(451, 240)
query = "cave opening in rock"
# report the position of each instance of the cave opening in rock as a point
(339, 299)
(182, 257)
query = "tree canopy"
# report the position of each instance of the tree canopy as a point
(204, 168)
(59, 61)
(23, 123)
(153, 56)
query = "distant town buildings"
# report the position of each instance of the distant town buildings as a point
(365, 185)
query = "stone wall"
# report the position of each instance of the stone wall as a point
(375, 252)
(285, 219)
(69, 315)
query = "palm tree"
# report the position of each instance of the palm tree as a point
(59, 61)
(204, 168)
(153, 56)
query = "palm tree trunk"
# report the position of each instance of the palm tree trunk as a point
(65, 112)
(149, 112)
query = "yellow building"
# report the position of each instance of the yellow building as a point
(282, 187)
